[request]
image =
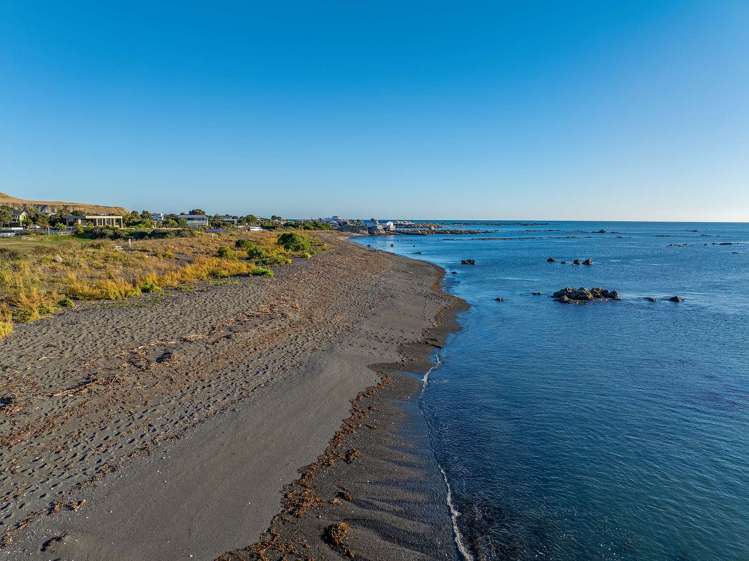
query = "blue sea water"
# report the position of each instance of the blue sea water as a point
(606, 431)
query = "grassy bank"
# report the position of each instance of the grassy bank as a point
(41, 275)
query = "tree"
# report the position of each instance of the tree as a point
(199, 211)
(132, 219)
(6, 214)
(41, 220)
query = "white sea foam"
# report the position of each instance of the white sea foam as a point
(454, 514)
(425, 379)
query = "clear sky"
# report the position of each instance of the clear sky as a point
(528, 110)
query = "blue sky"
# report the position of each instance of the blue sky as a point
(528, 110)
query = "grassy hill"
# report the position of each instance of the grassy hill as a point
(8, 200)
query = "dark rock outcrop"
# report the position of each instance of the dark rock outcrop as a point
(676, 299)
(581, 295)
(588, 262)
(467, 261)
(551, 260)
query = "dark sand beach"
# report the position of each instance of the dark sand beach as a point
(257, 419)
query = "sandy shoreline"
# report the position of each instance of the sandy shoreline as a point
(167, 428)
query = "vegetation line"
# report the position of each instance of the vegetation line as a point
(40, 275)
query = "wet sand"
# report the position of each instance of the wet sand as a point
(173, 427)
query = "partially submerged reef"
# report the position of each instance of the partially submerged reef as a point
(581, 295)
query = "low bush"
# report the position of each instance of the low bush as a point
(291, 241)
(226, 252)
(262, 272)
(6, 322)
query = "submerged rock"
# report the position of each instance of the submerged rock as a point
(650, 299)
(536, 293)
(551, 260)
(467, 261)
(499, 299)
(580, 295)
(676, 299)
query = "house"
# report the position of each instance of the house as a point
(226, 219)
(389, 227)
(195, 220)
(374, 227)
(97, 220)
(19, 217)
(47, 210)
(353, 226)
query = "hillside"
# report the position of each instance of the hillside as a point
(8, 200)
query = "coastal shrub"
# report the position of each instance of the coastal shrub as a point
(254, 251)
(8, 253)
(150, 284)
(22, 295)
(6, 322)
(104, 289)
(276, 258)
(292, 241)
(204, 268)
(225, 252)
(66, 303)
(244, 244)
(262, 272)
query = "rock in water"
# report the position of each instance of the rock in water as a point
(676, 299)
(576, 262)
(551, 260)
(580, 295)
(499, 299)
(650, 299)
(467, 261)
(588, 261)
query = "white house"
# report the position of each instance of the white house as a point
(98, 220)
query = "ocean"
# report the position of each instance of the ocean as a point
(614, 430)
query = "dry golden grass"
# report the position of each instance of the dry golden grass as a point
(40, 275)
